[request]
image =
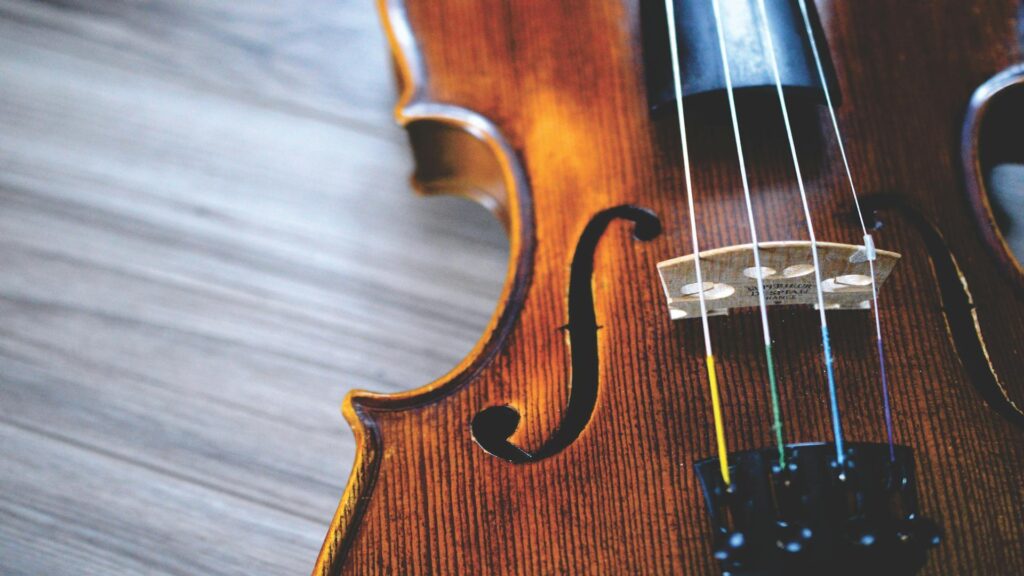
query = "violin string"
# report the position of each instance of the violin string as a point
(755, 244)
(837, 428)
(716, 404)
(869, 245)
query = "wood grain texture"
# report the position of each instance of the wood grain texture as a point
(195, 199)
(568, 113)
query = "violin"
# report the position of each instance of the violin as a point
(761, 315)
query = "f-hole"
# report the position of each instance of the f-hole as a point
(957, 305)
(492, 427)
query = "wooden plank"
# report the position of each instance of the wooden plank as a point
(319, 57)
(74, 511)
(200, 253)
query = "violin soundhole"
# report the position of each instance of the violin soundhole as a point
(493, 426)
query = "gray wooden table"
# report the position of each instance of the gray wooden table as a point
(206, 239)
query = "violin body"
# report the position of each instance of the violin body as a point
(595, 405)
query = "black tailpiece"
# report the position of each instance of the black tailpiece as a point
(815, 516)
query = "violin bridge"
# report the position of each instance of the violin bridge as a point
(730, 277)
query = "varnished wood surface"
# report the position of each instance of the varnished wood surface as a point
(566, 116)
(206, 239)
